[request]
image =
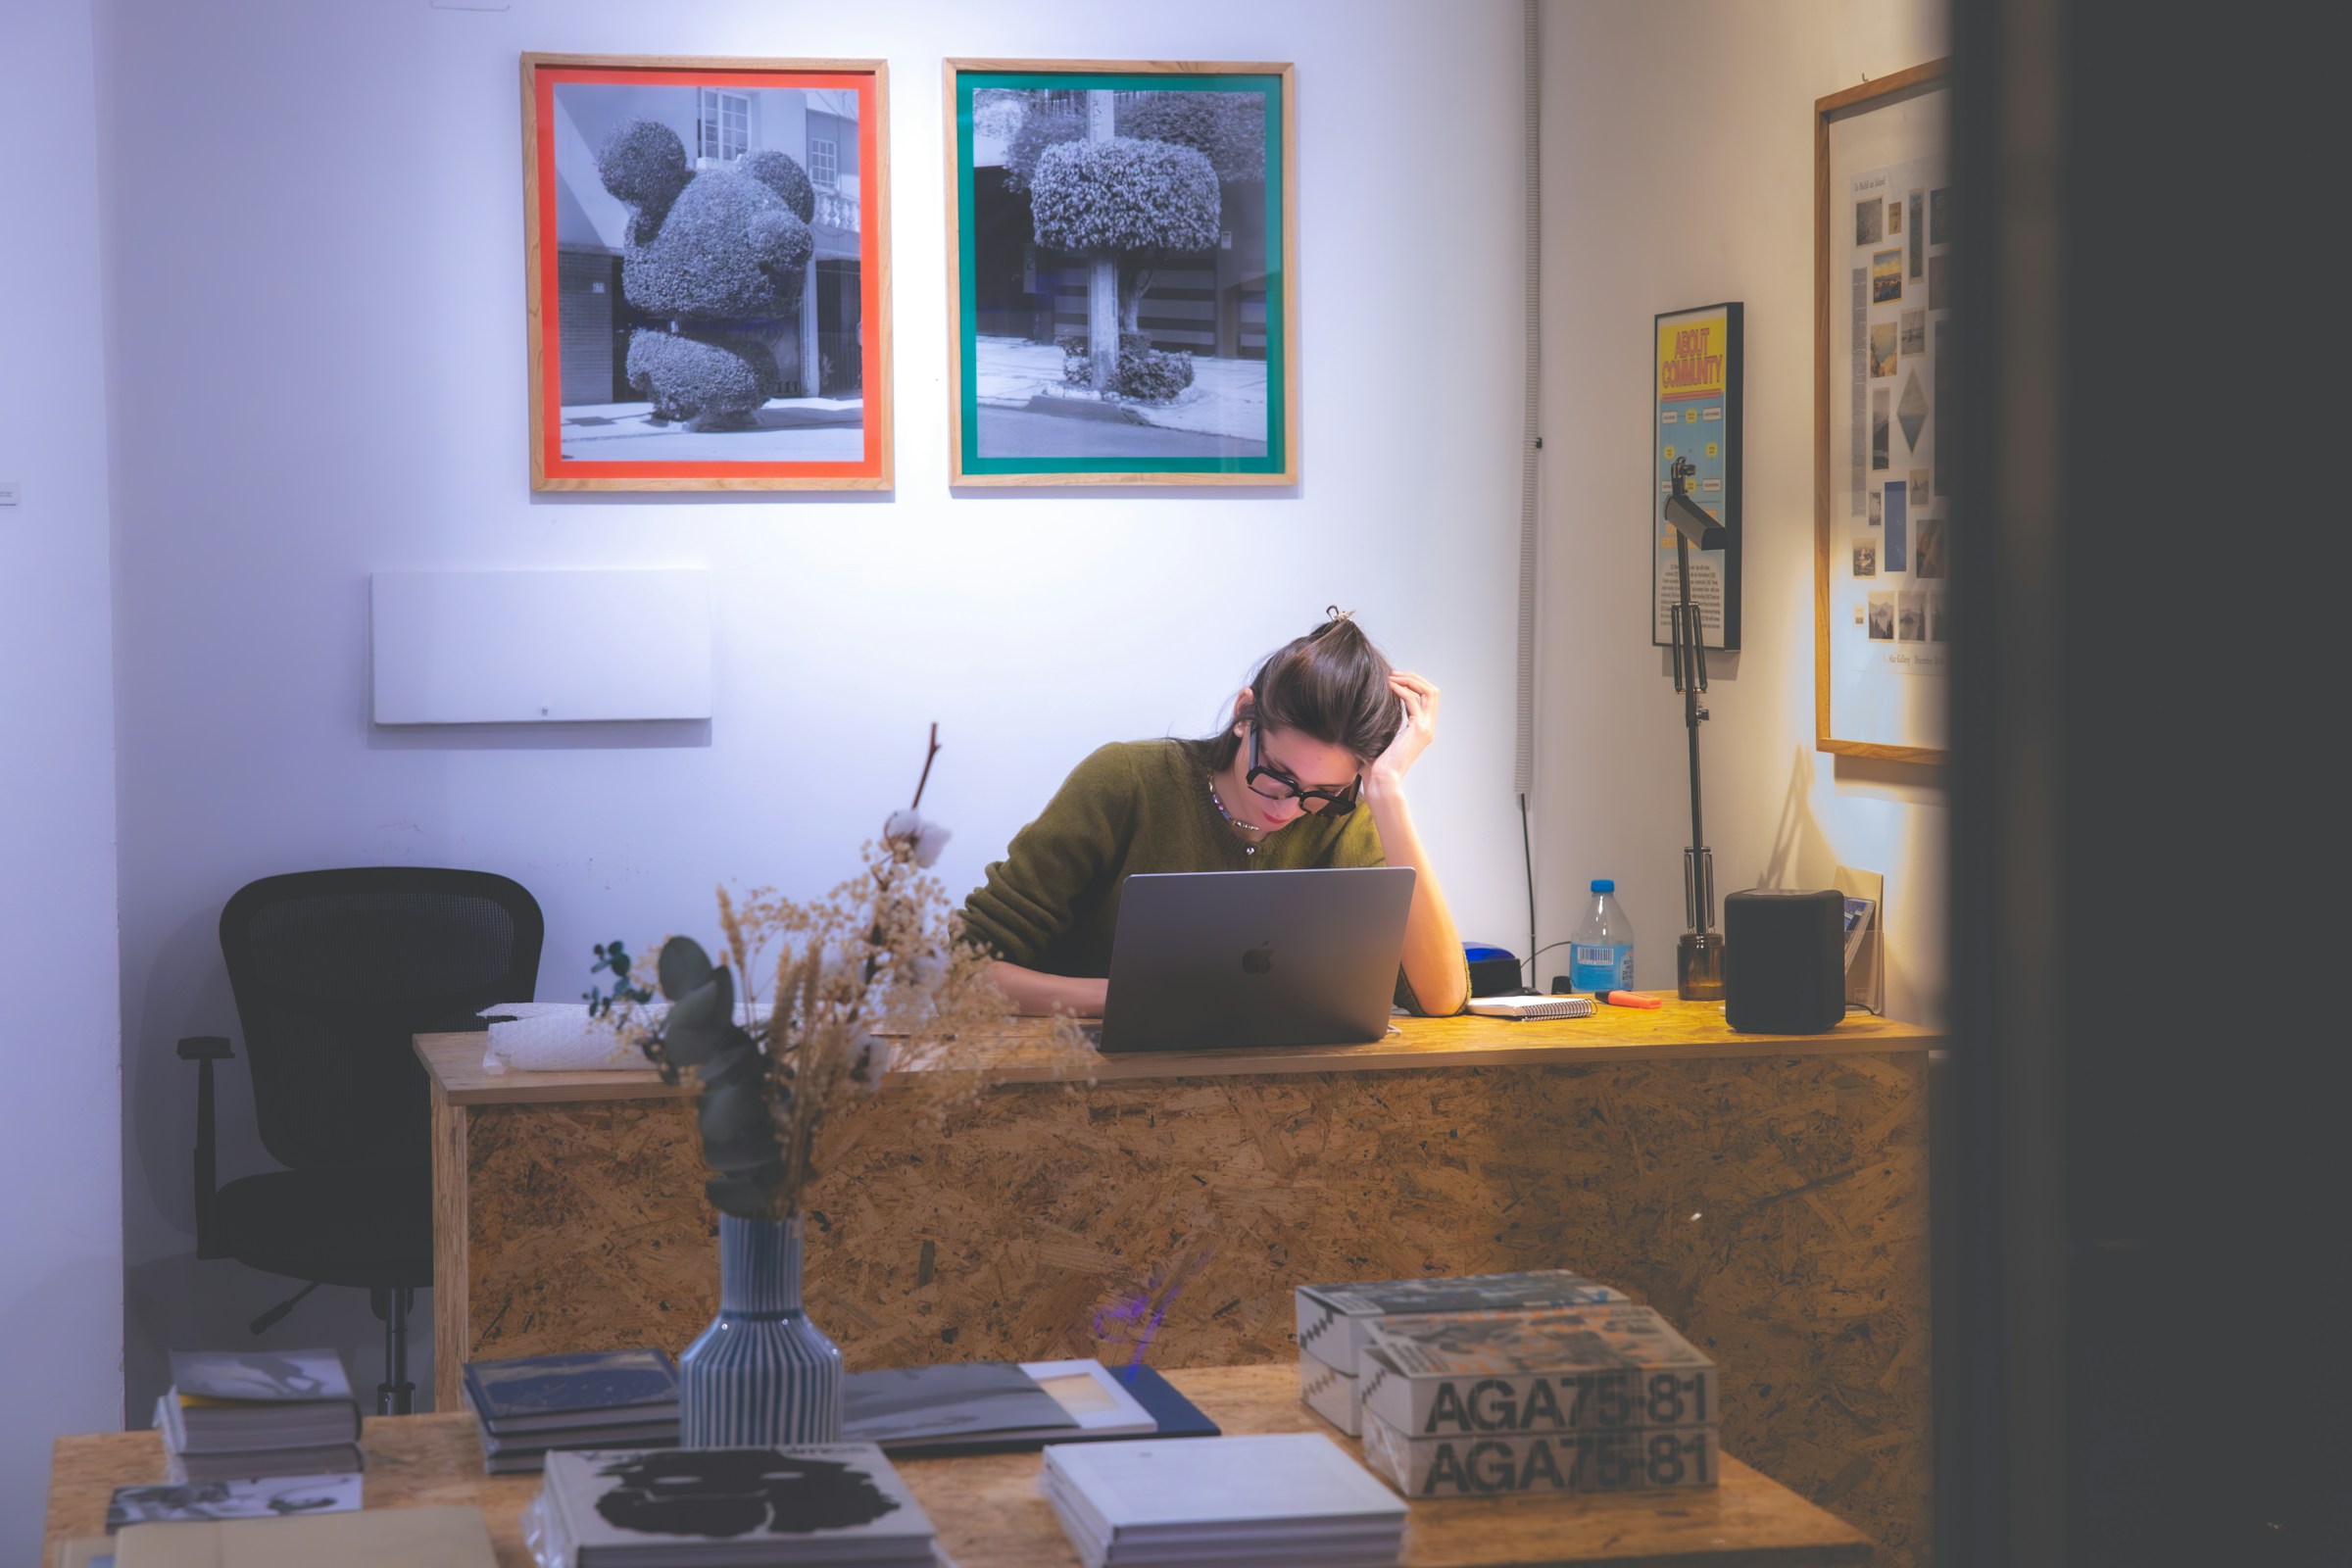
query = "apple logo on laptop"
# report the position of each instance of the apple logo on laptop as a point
(1258, 959)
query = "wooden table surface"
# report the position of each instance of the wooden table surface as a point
(1028, 1053)
(990, 1515)
(1768, 1194)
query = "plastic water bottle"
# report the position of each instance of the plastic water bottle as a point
(1601, 951)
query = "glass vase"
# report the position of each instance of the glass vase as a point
(761, 1374)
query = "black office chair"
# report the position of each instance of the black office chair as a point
(333, 972)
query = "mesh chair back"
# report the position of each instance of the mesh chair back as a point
(335, 971)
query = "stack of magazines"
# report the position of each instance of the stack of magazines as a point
(527, 1407)
(974, 1407)
(1483, 1404)
(1332, 1320)
(818, 1506)
(234, 1415)
(1286, 1497)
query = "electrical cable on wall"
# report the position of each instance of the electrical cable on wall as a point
(1530, 444)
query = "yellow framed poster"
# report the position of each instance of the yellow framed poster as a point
(1696, 419)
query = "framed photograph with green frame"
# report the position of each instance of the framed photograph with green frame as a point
(1123, 307)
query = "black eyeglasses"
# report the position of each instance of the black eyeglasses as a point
(1330, 803)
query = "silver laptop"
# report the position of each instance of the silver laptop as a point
(1209, 958)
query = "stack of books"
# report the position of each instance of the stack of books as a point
(530, 1406)
(815, 1506)
(236, 1415)
(1287, 1498)
(1332, 1320)
(1480, 1404)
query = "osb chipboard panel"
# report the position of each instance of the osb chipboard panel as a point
(1775, 1209)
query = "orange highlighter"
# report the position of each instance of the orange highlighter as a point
(1625, 998)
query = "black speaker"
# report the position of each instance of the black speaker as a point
(1784, 962)
(1494, 972)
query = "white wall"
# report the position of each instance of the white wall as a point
(1678, 170)
(320, 301)
(61, 1250)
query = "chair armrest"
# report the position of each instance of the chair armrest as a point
(203, 1050)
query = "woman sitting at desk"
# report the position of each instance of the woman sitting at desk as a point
(1309, 773)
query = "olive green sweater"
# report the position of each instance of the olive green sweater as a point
(1053, 902)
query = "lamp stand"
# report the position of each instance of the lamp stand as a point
(1698, 958)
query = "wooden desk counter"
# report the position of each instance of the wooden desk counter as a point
(1767, 1193)
(1675, 1031)
(988, 1513)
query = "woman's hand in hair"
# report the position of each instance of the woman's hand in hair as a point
(1420, 701)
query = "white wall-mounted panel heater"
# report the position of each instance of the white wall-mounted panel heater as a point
(540, 647)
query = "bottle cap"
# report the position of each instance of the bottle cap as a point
(1605, 884)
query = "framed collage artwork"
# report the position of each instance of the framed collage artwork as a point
(707, 258)
(1884, 453)
(1123, 303)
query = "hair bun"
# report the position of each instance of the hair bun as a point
(1335, 618)
(1332, 683)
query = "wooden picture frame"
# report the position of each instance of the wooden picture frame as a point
(1698, 413)
(1211, 396)
(665, 359)
(1895, 698)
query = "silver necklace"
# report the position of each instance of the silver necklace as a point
(1239, 827)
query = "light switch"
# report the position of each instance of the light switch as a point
(9, 490)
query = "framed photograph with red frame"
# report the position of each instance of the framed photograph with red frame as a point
(707, 244)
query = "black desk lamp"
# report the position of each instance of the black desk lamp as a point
(1699, 960)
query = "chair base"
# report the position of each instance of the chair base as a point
(396, 1394)
(268, 1320)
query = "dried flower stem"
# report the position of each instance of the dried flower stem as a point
(928, 757)
(878, 957)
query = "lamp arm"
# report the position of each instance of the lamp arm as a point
(1691, 661)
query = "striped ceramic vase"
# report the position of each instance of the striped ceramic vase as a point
(762, 1373)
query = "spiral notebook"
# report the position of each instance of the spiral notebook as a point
(1532, 1007)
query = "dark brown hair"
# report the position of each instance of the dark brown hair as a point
(1331, 684)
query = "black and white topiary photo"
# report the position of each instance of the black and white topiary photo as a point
(1122, 304)
(705, 271)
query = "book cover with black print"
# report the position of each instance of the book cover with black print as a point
(819, 1504)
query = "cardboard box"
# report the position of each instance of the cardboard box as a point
(1331, 1319)
(1510, 1464)
(1328, 1392)
(1472, 1374)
